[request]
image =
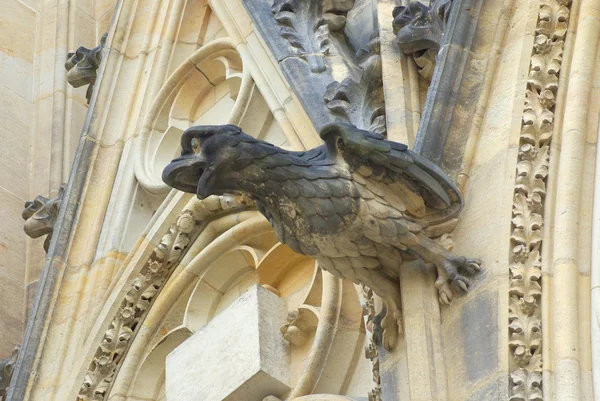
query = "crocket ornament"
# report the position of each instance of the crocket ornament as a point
(359, 204)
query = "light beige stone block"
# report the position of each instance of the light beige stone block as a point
(15, 119)
(17, 38)
(247, 332)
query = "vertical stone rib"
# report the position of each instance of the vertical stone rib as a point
(565, 339)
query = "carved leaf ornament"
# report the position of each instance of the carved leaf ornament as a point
(525, 291)
(144, 289)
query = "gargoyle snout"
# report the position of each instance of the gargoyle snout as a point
(184, 172)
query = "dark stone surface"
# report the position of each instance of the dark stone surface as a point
(495, 389)
(310, 88)
(470, 341)
(310, 39)
(447, 77)
(479, 323)
(389, 383)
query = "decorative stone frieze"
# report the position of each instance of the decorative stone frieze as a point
(419, 31)
(82, 66)
(358, 204)
(145, 288)
(525, 325)
(7, 366)
(40, 216)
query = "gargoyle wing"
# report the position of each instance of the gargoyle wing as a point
(410, 182)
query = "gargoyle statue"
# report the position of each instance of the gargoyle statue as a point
(82, 66)
(40, 215)
(359, 204)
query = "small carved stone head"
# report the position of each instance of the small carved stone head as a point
(82, 66)
(40, 215)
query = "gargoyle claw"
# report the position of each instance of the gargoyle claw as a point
(461, 282)
(470, 266)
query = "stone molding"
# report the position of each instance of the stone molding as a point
(525, 282)
(145, 288)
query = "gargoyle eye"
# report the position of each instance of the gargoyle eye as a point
(195, 145)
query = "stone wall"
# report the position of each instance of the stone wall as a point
(41, 121)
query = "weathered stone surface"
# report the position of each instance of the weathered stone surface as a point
(247, 332)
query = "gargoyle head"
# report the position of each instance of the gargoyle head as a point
(211, 155)
(82, 65)
(419, 27)
(40, 215)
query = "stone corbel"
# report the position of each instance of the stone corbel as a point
(82, 66)
(40, 216)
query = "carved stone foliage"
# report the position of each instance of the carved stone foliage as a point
(145, 288)
(7, 367)
(338, 41)
(82, 66)
(361, 103)
(525, 325)
(40, 215)
(309, 26)
(359, 204)
(372, 323)
(419, 31)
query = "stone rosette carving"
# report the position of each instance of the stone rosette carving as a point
(419, 31)
(358, 204)
(146, 286)
(525, 283)
(7, 367)
(40, 216)
(82, 66)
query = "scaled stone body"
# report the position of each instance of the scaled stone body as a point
(359, 204)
